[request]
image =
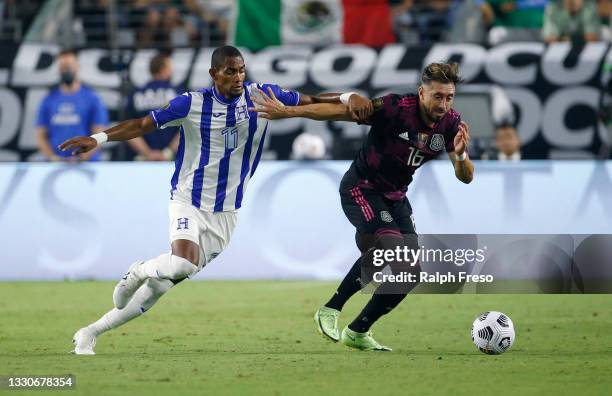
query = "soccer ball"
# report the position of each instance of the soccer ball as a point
(493, 332)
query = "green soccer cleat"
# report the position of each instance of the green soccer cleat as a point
(327, 322)
(363, 341)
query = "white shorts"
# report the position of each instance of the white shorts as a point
(210, 230)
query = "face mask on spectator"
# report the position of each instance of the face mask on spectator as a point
(67, 77)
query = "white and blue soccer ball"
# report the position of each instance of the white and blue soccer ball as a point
(493, 332)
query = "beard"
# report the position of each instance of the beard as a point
(434, 117)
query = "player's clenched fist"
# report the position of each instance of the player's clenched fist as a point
(79, 145)
(361, 108)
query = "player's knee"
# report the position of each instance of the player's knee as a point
(179, 268)
(187, 250)
(365, 242)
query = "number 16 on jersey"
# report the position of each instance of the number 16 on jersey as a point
(415, 158)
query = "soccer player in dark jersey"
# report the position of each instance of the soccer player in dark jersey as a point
(407, 131)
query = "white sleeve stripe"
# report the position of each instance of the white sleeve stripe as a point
(154, 118)
(297, 102)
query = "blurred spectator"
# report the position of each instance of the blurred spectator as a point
(92, 16)
(508, 143)
(421, 21)
(604, 9)
(158, 145)
(176, 33)
(211, 17)
(505, 143)
(518, 13)
(20, 12)
(571, 20)
(469, 21)
(69, 110)
(150, 33)
(516, 20)
(166, 24)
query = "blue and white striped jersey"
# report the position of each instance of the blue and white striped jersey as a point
(220, 144)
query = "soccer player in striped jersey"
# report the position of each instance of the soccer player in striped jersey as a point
(407, 131)
(221, 143)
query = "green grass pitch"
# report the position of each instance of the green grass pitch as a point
(259, 338)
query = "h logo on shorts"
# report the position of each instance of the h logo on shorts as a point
(183, 223)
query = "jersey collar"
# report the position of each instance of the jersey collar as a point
(223, 99)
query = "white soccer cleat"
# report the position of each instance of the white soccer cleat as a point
(84, 342)
(127, 286)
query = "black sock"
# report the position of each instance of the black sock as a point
(379, 305)
(350, 285)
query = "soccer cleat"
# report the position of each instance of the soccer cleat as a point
(84, 342)
(363, 341)
(127, 286)
(327, 322)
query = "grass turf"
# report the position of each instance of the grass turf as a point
(259, 338)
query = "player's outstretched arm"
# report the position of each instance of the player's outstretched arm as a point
(464, 167)
(268, 106)
(125, 130)
(359, 107)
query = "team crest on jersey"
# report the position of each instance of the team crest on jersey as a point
(422, 139)
(386, 216)
(437, 142)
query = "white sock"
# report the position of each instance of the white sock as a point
(144, 298)
(167, 266)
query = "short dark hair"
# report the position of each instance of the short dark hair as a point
(445, 73)
(157, 63)
(219, 55)
(67, 51)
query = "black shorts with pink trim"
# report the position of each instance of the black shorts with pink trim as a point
(373, 213)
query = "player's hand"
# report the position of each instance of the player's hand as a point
(79, 145)
(462, 138)
(360, 108)
(268, 106)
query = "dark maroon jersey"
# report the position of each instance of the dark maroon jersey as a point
(399, 142)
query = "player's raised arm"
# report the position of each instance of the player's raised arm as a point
(269, 107)
(125, 130)
(464, 168)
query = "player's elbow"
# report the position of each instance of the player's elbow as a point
(465, 178)
(464, 175)
(145, 124)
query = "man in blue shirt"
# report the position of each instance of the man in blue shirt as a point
(155, 94)
(69, 110)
